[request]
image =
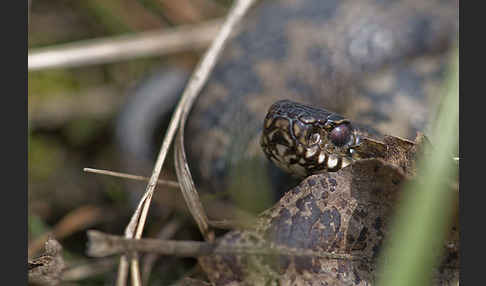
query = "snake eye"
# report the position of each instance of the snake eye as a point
(340, 134)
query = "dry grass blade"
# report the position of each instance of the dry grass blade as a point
(199, 78)
(189, 191)
(101, 244)
(136, 225)
(131, 177)
(121, 279)
(425, 217)
(106, 50)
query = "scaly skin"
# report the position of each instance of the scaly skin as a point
(378, 63)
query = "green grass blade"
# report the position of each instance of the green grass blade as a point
(423, 219)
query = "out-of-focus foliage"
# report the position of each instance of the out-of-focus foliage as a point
(424, 220)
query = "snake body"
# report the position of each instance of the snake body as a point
(379, 63)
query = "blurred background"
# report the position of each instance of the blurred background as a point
(72, 108)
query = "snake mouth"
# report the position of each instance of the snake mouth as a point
(304, 140)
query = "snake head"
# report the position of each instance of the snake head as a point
(304, 140)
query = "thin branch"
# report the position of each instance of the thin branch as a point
(168, 183)
(114, 49)
(101, 244)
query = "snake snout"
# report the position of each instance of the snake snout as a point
(303, 140)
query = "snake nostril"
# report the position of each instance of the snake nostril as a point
(340, 134)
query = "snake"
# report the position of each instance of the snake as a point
(305, 140)
(271, 107)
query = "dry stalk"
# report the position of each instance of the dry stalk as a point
(101, 245)
(167, 183)
(114, 49)
(136, 225)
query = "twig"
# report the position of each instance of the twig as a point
(168, 183)
(101, 244)
(107, 50)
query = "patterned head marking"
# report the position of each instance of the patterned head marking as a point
(303, 140)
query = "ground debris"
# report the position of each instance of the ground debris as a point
(47, 269)
(346, 212)
(395, 150)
